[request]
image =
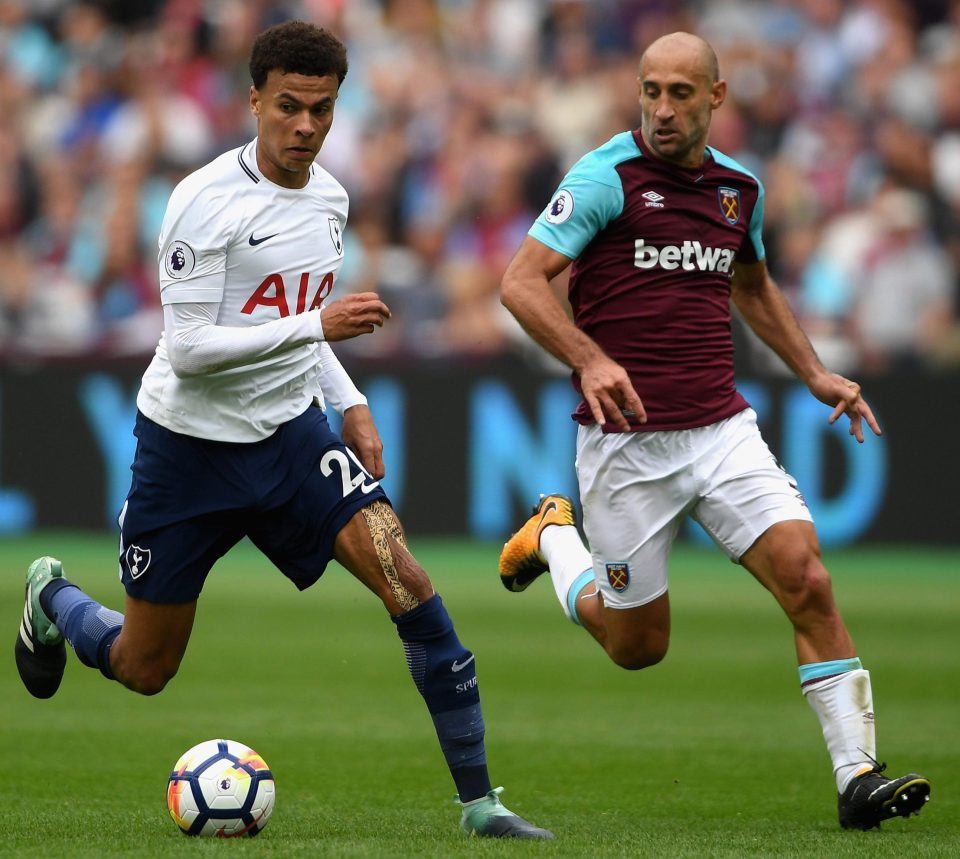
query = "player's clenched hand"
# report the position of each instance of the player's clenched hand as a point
(353, 315)
(359, 433)
(845, 396)
(609, 393)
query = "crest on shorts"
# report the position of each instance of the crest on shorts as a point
(618, 574)
(729, 199)
(137, 561)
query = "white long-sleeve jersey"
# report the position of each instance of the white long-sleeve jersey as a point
(245, 266)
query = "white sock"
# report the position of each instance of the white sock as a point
(844, 705)
(569, 562)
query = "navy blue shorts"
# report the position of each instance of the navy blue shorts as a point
(191, 500)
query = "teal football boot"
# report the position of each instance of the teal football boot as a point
(490, 818)
(40, 652)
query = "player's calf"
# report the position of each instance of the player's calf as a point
(445, 674)
(408, 582)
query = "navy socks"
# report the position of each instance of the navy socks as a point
(445, 674)
(89, 627)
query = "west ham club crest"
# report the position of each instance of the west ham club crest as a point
(729, 199)
(618, 574)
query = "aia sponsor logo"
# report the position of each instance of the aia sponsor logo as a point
(272, 292)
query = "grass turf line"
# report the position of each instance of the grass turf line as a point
(712, 753)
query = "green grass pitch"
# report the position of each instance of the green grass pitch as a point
(713, 753)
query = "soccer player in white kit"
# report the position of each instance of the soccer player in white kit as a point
(652, 222)
(233, 440)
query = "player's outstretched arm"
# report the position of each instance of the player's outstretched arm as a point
(525, 292)
(197, 345)
(767, 312)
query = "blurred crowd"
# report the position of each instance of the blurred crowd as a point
(454, 125)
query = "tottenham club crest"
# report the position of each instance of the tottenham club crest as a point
(560, 208)
(336, 235)
(618, 574)
(179, 259)
(729, 199)
(137, 561)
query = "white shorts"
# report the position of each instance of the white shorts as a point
(636, 489)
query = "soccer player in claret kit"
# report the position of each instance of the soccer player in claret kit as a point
(232, 436)
(662, 231)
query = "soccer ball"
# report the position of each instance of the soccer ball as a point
(222, 788)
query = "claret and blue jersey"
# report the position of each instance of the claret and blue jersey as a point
(653, 246)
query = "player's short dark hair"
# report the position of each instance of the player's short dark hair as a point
(296, 47)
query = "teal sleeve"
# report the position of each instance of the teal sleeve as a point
(582, 206)
(755, 230)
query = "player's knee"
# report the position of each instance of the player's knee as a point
(633, 660)
(636, 654)
(149, 686)
(153, 681)
(805, 586)
(148, 677)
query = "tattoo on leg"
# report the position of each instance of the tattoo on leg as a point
(383, 525)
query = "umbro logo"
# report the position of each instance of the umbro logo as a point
(254, 242)
(654, 200)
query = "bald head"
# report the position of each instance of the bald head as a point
(679, 89)
(682, 52)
